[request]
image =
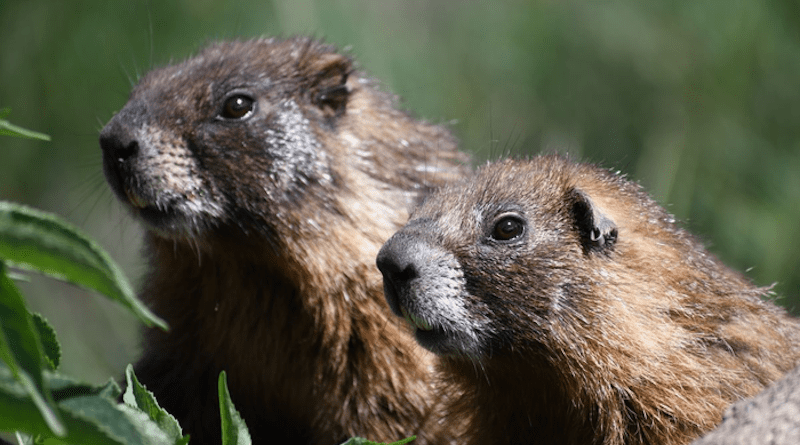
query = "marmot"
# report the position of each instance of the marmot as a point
(268, 173)
(568, 308)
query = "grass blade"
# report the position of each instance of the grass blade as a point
(234, 430)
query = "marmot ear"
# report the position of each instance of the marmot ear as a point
(597, 232)
(329, 83)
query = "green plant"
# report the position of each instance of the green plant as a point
(9, 129)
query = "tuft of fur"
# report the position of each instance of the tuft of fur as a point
(268, 173)
(568, 308)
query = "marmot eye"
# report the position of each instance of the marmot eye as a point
(508, 228)
(237, 107)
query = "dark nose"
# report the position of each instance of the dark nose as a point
(398, 264)
(118, 139)
(117, 144)
(120, 145)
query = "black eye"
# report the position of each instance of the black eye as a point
(508, 228)
(237, 107)
(334, 97)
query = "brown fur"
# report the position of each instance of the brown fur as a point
(263, 224)
(598, 322)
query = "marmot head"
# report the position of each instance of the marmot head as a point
(261, 136)
(519, 256)
(226, 135)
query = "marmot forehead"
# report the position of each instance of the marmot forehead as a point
(283, 64)
(541, 179)
(535, 188)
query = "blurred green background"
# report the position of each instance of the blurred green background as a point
(698, 100)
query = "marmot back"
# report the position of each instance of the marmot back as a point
(268, 174)
(568, 308)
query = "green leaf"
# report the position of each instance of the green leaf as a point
(18, 276)
(137, 396)
(64, 388)
(50, 345)
(234, 431)
(18, 412)
(111, 390)
(35, 240)
(120, 422)
(21, 350)
(91, 414)
(9, 129)
(22, 440)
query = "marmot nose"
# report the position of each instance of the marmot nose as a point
(121, 147)
(118, 143)
(119, 139)
(397, 262)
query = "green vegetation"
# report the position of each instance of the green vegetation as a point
(37, 401)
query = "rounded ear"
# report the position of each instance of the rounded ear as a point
(597, 232)
(329, 82)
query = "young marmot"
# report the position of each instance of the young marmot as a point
(568, 308)
(268, 174)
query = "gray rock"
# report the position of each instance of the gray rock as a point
(772, 417)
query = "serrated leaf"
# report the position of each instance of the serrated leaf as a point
(19, 413)
(64, 388)
(120, 422)
(234, 430)
(111, 390)
(35, 240)
(50, 345)
(137, 396)
(21, 351)
(90, 415)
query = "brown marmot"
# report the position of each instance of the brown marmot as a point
(268, 174)
(568, 308)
